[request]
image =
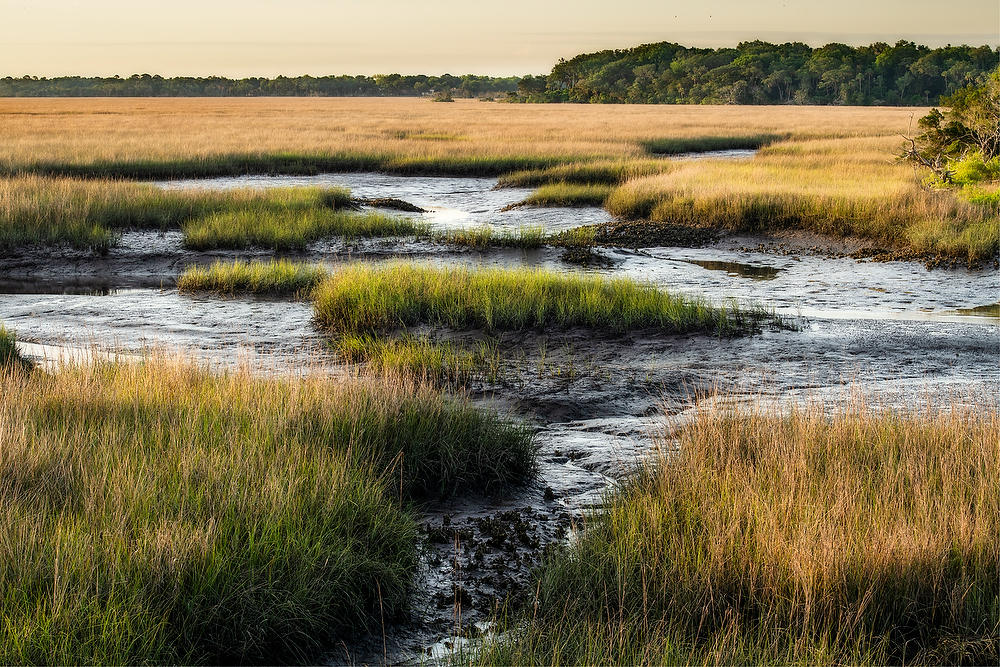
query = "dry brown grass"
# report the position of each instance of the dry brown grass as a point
(865, 537)
(86, 130)
(841, 187)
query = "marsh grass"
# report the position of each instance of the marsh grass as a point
(421, 357)
(10, 357)
(158, 513)
(865, 537)
(186, 138)
(675, 145)
(838, 187)
(598, 172)
(567, 194)
(275, 277)
(363, 298)
(291, 229)
(485, 237)
(89, 214)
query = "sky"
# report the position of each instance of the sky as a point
(499, 37)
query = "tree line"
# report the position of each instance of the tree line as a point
(147, 85)
(663, 73)
(763, 73)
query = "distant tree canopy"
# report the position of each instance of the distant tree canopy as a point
(146, 85)
(762, 73)
(664, 73)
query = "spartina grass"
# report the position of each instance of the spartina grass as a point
(362, 298)
(567, 194)
(862, 537)
(275, 277)
(290, 230)
(155, 512)
(89, 214)
(11, 358)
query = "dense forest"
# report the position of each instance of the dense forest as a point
(762, 73)
(145, 85)
(664, 73)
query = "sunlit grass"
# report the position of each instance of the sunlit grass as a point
(10, 357)
(160, 138)
(274, 277)
(158, 513)
(485, 236)
(421, 357)
(868, 537)
(291, 230)
(567, 194)
(364, 298)
(47, 211)
(834, 187)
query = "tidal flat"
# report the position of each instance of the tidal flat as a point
(474, 305)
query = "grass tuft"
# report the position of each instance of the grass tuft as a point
(275, 277)
(866, 537)
(290, 230)
(362, 298)
(10, 356)
(567, 194)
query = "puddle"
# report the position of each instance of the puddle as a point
(738, 270)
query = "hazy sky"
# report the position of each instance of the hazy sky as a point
(270, 37)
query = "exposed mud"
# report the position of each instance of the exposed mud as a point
(894, 330)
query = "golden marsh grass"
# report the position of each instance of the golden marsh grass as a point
(865, 537)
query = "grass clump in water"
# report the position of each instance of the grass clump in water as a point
(598, 172)
(363, 298)
(421, 357)
(568, 194)
(290, 230)
(866, 537)
(159, 513)
(275, 277)
(485, 237)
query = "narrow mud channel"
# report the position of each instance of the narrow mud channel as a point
(897, 331)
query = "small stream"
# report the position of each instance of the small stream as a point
(900, 332)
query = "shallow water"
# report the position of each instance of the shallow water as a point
(452, 203)
(896, 330)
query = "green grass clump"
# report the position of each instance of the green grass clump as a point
(290, 230)
(89, 214)
(421, 357)
(159, 513)
(862, 538)
(363, 298)
(675, 145)
(484, 237)
(10, 356)
(275, 277)
(598, 172)
(568, 194)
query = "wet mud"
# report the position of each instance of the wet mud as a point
(895, 330)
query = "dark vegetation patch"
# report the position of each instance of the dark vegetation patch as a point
(675, 145)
